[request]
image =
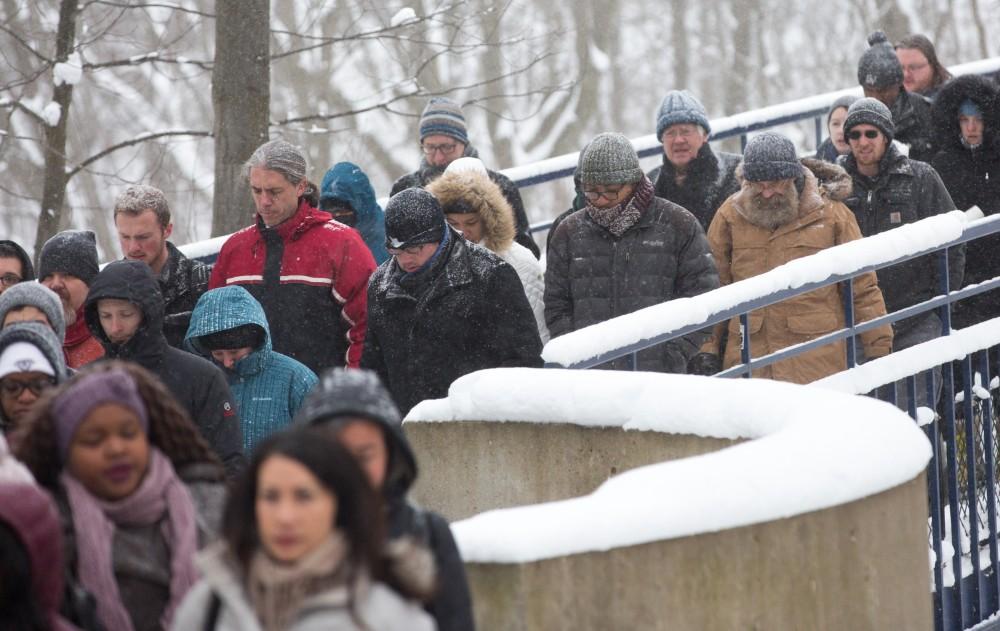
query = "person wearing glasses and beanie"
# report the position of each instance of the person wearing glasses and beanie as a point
(625, 250)
(31, 362)
(443, 139)
(890, 190)
(441, 307)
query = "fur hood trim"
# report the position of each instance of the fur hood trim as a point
(944, 113)
(412, 565)
(476, 192)
(833, 182)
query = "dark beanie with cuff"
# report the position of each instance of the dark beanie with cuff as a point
(443, 116)
(879, 67)
(871, 112)
(72, 252)
(413, 217)
(769, 157)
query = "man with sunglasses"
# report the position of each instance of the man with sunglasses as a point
(441, 307)
(31, 362)
(443, 139)
(891, 189)
(625, 250)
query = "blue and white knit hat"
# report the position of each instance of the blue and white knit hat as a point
(443, 116)
(680, 107)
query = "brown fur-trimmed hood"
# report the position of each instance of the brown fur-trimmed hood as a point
(468, 191)
(833, 181)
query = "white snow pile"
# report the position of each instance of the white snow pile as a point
(900, 364)
(52, 113)
(810, 449)
(403, 16)
(670, 316)
(68, 72)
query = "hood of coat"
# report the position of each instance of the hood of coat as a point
(33, 517)
(944, 112)
(469, 191)
(27, 268)
(821, 181)
(346, 181)
(227, 308)
(132, 281)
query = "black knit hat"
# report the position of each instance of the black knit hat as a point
(611, 159)
(770, 156)
(243, 336)
(413, 217)
(72, 252)
(872, 112)
(879, 67)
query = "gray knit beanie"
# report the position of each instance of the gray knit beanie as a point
(867, 111)
(609, 158)
(679, 107)
(845, 102)
(72, 252)
(35, 295)
(770, 156)
(879, 67)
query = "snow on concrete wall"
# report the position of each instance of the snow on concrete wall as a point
(810, 449)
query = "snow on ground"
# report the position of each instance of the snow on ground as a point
(810, 449)
(847, 258)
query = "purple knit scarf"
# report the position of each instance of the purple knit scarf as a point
(94, 522)
(620, 217)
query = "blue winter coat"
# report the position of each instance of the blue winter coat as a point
(346, 181)
(268, 387)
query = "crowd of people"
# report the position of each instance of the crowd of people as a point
(199, 447)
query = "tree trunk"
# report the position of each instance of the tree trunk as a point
(678, 29)
(54, 188)
(241, 96)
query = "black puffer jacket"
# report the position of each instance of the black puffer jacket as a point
(911, 114)
(904, 191)
(427, 172)
(182, 281)
(710, 181)
(344, 395)
(198, 385)
(468, 312)
(592, 276)
(972, 177)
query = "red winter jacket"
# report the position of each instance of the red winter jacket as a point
(310, 273)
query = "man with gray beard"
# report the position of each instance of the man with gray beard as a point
(787, 209)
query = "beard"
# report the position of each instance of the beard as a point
(69, 313)
(778, 210)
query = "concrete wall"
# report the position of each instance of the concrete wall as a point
(862, 565)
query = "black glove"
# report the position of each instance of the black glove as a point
(704, 364)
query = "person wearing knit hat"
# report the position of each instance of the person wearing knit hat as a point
(625, 250)
(15, 265)
(443, 139)
(891, 189)
(692, 174)
(33, 302)
(835, 144)
(31, 362)
(67, 266)
(441, 307)
(881, 77)
(140, 490)
(228, 327)
(770, 157)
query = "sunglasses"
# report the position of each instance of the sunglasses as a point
(871, 134)
(13, 388)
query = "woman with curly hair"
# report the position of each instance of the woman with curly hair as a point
(303, 550)
(138, 487)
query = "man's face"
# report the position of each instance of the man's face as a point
(142, 238)
(888, 95)
(120, 319)
(227, 357)
(868, 144)
(972, 129)
(366, 442)
(411, 258)
(682, 142)
(276, 198)
(917, 71)
(775, 200)
(606, 196)
(11, 272)
(26, 313)
(71, 291)
(441, 150)
(19, 391)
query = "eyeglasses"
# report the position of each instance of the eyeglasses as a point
(611, 195)
(9, 280)
(869, 133)
(445, 149)
(14, 388)
(915, 67)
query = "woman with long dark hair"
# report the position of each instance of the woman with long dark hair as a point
(139, 488)
(303, 550)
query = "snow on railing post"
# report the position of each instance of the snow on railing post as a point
(970, 489)
(951, 444)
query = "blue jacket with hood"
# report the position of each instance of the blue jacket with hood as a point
(346, 181)
(268, 387)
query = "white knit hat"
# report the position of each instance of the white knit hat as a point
(24, 357)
